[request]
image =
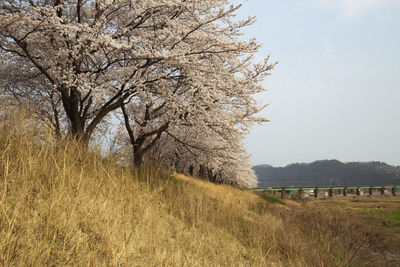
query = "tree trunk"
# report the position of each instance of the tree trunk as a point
(137, 156)
(71, 103)
(191, 168)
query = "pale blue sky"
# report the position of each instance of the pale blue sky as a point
(335, 93)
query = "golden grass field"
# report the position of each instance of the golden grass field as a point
(62, 206)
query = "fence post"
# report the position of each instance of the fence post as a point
(316, 192)
(345, 191)
(358, 191)
(394, 191)
(301, 192)
(283, 192)
(370, 191)
(331, 192)
(382, 190)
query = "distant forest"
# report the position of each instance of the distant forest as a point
(328, 173)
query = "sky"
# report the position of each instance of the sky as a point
(335, 93)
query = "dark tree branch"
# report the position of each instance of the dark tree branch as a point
(127, 124)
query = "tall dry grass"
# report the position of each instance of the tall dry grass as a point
(61, 205)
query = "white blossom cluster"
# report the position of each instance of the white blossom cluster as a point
(177, 73)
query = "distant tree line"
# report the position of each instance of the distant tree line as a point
(328, 173)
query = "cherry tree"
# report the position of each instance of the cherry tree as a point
(98, 54)
(25, 87)
(164, 67)
(202, 153)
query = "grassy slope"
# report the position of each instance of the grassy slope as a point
(66, 207)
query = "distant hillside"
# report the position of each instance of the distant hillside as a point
(328, 173)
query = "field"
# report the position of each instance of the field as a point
(377, 216)
(381, 212)
(61, 206)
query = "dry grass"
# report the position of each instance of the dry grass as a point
(382, 213)
(64, 206)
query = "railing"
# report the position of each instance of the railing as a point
(331, 191)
